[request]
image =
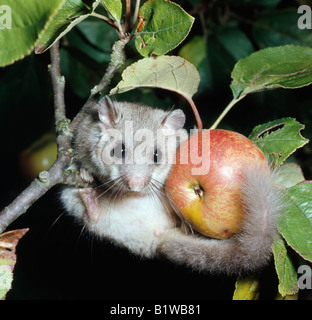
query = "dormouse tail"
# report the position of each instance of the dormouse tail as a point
(248, 250)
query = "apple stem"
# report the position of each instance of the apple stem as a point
(199, 191)
(225, 111)
(197, 116)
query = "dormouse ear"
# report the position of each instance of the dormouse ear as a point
(108, 112)
(173, 122)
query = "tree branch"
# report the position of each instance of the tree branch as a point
(60, 173)
(58, 84)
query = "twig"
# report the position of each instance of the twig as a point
(31, 194)
(58, 84)
(59, 172)
(118, 58)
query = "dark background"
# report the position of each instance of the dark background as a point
(57, 259)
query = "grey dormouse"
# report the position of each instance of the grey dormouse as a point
(128, 148)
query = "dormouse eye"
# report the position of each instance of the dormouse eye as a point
(119, 151)
(157, 156)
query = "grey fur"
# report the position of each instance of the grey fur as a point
(247, 251)
(146, 224)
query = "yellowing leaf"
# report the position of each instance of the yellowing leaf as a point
(8, 243)
(285, 270)
(246, 289)
(166, 72)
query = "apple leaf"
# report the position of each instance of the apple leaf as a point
(8, 243)
(166, 72)
(162, 26)
(286, 67)
(295, 224)
(70, 14)
(28, 20)
(278, 139)
(289, 174)
(285, 270)
(246, 289)
(114, 8)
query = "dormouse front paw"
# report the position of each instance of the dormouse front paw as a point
(90, 199)
(86, 176)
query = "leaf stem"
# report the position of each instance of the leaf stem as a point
(225, 111)
(135, 14)
(197, 116)
(128, 16)
(107, 20)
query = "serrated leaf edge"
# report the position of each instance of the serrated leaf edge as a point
(137, 34)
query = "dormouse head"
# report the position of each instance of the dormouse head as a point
(138, 143)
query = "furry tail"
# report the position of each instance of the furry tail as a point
(247, 251)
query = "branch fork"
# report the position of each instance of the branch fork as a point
(60, 172)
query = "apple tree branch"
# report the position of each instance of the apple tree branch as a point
(60, 172)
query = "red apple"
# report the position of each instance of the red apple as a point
(211, 202)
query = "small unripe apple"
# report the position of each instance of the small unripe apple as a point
(211, 202)
(39, 156)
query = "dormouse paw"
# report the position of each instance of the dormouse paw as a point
(86, 176)
(90, 199)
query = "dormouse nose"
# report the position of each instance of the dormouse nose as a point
(136, 182)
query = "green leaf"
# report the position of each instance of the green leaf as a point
(278, 139)
(166, 72)
(195, 52)
(78, 75)
(70, 14)
(162, 26)
(295, 224)
(280, 27)
(234, 41)
(29, 18)
(246, 289)
(286, 67)
(94, 38)
(114, 8)
(289, 174)
(285, 270)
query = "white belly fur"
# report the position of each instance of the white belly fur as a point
(133, 222)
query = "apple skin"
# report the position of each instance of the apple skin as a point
(39, 156)
(211, 203)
